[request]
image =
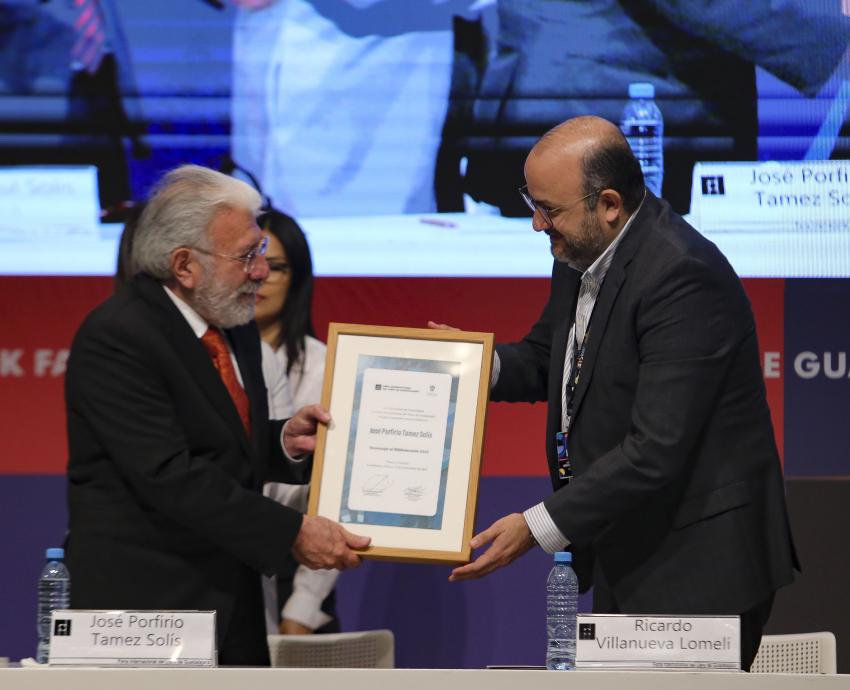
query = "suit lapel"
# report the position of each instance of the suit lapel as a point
(245, 342)
(611, 286)
(598, 322)
(191, 352)
(559, 353)
(556, 378)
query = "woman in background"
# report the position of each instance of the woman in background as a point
(284, 305)
(283, 314)
(125, 268)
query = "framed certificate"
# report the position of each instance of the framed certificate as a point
(400, 460)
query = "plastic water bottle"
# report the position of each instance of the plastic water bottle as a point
(561, 608)
(643, 126)
(54, 592)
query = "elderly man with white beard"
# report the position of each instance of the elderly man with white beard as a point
(168, 429)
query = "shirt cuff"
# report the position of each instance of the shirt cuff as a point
(496, 370)
(296, 460)
(544, 530)
(310, 587)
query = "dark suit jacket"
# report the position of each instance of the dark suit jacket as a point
(164, 485)
(678, 493)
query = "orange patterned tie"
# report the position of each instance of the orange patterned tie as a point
(214, 341)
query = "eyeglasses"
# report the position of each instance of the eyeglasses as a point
(248, 259)
(545, 211)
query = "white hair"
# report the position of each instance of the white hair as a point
(181, 208)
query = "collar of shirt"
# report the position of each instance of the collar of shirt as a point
(193, 318)
(199, 326)
(599, 268)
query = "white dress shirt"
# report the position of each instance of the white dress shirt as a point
(277, 384)
(309, 587)
(307, 374)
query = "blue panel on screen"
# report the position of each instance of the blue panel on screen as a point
(817, 377)
(33, 514)
(358, 108)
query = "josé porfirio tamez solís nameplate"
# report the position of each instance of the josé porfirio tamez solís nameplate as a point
(133, 638)
(399, 461)
(771, 196)
(709, 643)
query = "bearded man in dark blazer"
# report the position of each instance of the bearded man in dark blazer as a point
(668, 485)
(170, 441)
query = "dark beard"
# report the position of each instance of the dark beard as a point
(589, 247)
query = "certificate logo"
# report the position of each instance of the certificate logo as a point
(61, 627)
(587, 631)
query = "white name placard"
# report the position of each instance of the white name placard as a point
(771, 195)
(133, 638)
(52, 203)
(709, 643)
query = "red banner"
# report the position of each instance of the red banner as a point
(40, 316)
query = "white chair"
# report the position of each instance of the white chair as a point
(363, 649)
(802, 653)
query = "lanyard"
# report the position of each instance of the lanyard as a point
(562, 453)
(574, 377)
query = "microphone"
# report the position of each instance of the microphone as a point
(228, 166)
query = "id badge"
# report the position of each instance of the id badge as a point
(565, 469)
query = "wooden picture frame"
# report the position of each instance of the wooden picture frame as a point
(400, 460)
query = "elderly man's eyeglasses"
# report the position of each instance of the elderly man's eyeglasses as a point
(545, 211)
(249, 259)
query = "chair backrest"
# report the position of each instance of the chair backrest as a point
(803, 653)
(363, 649)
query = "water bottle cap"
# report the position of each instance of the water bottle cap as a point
(641, 89)
(563, 557)
(55, 553)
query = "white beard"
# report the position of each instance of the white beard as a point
(221, 306)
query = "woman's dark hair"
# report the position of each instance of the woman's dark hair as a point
(126, 267)
(296, 316)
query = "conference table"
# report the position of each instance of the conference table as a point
(410, 679)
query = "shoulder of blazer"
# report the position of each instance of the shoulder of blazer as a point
(187, 347)
(657, 236)
(245, 343)
(647, 218)
(152, 294)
